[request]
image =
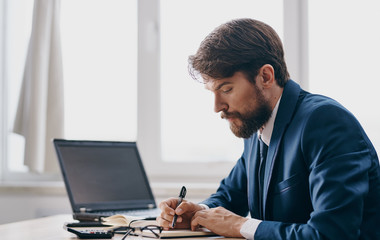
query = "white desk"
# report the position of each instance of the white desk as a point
(37, 229)
(51, 228)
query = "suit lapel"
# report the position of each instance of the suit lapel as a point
(253, 186)
(285, 112)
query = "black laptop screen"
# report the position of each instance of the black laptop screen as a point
(104, 172)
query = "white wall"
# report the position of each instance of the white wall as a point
(22, 203)
(19, 203)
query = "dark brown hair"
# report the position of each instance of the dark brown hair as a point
(243, 45)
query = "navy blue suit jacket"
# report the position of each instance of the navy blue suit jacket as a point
(322, 175)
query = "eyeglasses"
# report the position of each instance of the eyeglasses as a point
(149, 230)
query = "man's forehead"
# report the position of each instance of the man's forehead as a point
(209, 83)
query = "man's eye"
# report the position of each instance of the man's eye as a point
(227, 90)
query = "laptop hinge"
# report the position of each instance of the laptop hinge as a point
(82, 210)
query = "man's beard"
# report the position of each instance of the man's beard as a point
(252, 120)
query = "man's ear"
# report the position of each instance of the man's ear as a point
(267, 74)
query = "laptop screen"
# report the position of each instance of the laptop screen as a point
(103, 175)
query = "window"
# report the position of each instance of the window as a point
(16, 33)
(106, 47)
(100, 71)
(174, 144)
(190, 130)
(344, 60)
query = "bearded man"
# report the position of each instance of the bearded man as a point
(308, 170)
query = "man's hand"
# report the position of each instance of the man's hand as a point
(185, 212)
(220, 221)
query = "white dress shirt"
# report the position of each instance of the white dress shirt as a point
(265, 133)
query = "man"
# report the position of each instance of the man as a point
(308, 170)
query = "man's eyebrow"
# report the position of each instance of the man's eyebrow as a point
(221, 85)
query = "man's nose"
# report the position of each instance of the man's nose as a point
(219, 105)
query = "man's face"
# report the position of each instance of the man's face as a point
(241, 103)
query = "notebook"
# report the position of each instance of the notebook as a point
(104, 178)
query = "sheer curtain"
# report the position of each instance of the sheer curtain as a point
(39, 116)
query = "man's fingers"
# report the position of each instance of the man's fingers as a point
(163, 222)
(167, 223)
(186, 206)
(170, 202)
(185, 211)
(167, 213)
(198, 220)
(168, 206)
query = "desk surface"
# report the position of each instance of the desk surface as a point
(48, 228)
(41, 229)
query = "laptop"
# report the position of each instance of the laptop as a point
(104, 178)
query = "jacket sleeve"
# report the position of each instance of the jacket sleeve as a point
(339, 156)
(232, 191)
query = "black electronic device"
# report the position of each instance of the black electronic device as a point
(92, 233)
(105, 178)
(85, 224)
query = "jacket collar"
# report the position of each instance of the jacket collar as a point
(285, 112)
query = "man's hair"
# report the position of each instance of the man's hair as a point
(240, 45)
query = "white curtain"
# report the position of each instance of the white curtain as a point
(39, 116)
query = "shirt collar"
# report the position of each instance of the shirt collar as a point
(265, 133)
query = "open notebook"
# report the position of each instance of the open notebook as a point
(105, 178)
(121, 220)
(181, 233)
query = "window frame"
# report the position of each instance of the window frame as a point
(148, 96)
(149, 104)
(148, 133)
(3, 95)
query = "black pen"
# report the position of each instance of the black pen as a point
(181, 196)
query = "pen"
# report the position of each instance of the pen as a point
(181, 196)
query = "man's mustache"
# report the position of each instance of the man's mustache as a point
(225, 115)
